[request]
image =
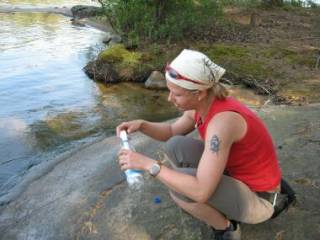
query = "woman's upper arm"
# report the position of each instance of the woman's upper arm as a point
(222, 131)
(184, 125)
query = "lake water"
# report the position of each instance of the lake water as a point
(47, 104)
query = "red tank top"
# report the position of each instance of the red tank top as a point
(252, 160)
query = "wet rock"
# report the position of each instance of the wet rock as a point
(116, 39)
(111, 38)
(77, 22)
(107, 40)
(156, 81)
(101, 71)
(82, 11)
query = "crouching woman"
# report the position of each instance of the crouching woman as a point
(231, 173)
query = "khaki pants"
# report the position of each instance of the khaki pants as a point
(232, 197)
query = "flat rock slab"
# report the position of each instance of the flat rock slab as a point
(85, 196)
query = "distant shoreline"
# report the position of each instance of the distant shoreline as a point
(66, 11)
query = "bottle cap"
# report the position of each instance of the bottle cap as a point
(123, 135)
(157, 200)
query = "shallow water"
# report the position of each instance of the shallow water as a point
(48, 105)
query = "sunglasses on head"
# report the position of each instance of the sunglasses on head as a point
(177, 76)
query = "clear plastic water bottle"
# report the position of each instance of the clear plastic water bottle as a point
(134, 177)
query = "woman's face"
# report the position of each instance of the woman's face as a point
(183, 99)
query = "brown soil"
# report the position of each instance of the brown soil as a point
(287, 41)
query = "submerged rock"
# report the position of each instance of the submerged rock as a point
(101, 71)
(156, 81)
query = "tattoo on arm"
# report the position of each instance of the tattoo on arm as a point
(215, 144)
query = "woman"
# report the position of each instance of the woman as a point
(231, 174)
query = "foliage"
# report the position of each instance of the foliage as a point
(156, 19)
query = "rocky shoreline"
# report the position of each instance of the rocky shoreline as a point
(79, 14)
(85, 196)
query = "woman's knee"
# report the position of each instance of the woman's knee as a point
(184, 151)
(184, 203)
(173, 148)
(173, 144)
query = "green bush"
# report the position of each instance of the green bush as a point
(157, 19)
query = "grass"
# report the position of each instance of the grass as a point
(118, 53)
(288, 56)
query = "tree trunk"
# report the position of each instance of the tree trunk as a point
(159, 15)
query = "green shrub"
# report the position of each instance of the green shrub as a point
(157, 19)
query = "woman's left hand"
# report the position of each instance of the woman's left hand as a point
(132, 160)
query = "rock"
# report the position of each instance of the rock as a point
(112, 39)
(107, 40)
(101, 71)
(118, 64)
(84, 194)
(82, 11)
(116, 39)
(77, 22)
(156, 81)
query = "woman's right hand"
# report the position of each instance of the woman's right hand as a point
(129, 127)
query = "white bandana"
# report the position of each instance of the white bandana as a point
(200, 71)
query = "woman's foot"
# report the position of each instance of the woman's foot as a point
(233, 232)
